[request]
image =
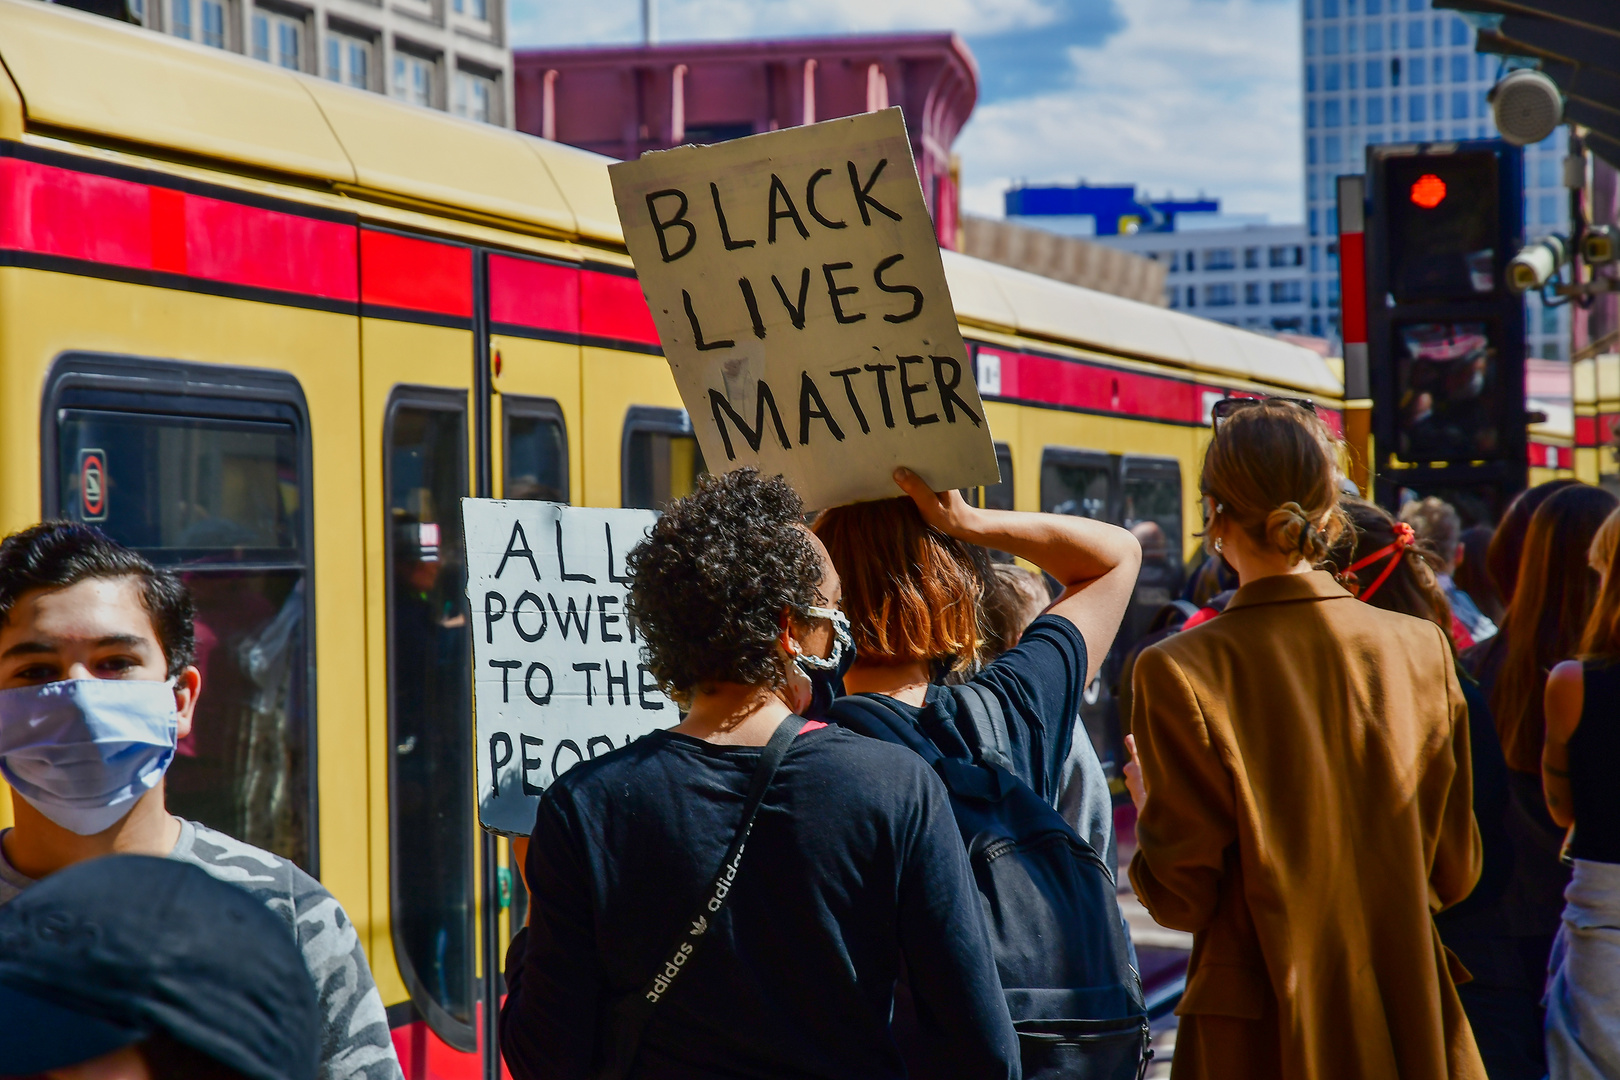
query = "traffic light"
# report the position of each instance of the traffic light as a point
(1444, 331)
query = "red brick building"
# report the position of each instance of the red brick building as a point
(624, 100)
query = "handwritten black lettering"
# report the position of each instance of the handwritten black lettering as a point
(883, 391)
(491, 616)
(507, 667)
(947, 389)
(863, 197)
(916, 293)
(643, 688)
(566, 744)
(697, 331)
(678, 221)
(563, 567)
(747, 288)
(792, 212)
(854, 402)
(718, 403)
(606, 620)
(795, 313)
(529, 763)
(607, 527)
(622, 678)
(528, 683)
(810, 200)
(592, 742)
(582, 624)
(518, 544)
(504, 741)
(808, 394)
(590, 686)
(517, 609)
(834, 291)
(908, 390)
(725, 233)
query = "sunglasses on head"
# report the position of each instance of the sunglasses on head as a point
(1228, 406)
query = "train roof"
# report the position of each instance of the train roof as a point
(86, 78)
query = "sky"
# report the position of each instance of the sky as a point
(1182, 96)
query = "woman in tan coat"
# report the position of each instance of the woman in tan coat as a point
(1304, 792)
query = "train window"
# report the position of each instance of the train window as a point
(430, 715)
(661, 458)
(1077, 482)
(999, 496)
(536, 451)
(210, 478)
(1150, 491)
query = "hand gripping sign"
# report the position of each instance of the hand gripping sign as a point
(798, 291)
(558, 677)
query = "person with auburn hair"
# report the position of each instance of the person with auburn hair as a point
(913, 588)
(1383, 562)
(1302, 781)
(1580, 772)
(852, 881)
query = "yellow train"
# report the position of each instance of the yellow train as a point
(269, 330)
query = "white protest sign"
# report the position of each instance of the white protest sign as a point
(558, 673)
(798, 291)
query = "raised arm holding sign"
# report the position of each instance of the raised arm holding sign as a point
(799, 295)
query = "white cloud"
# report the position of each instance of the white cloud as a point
(545, 23)
(1192, 95)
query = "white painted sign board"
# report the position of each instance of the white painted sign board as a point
(799, 295)
(558, 674)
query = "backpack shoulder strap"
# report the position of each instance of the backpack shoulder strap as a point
(989, 723)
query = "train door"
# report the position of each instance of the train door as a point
(418, 362)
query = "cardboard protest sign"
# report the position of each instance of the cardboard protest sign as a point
(798, 291)
(558, 674)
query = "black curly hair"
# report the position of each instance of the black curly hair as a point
(712, 579)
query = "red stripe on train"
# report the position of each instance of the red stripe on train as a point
(613, 307)
(418, 275)
(540, 295)
(47, 210)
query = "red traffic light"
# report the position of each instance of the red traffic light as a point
(1429, 191)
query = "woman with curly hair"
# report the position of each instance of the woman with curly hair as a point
(1303, 791)
(853, 876)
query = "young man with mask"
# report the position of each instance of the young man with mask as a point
(97, 686)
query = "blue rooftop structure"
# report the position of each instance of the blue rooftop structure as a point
(1109, 206)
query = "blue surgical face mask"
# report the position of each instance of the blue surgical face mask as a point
(81, 751)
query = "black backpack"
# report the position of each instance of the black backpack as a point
(1049, 899)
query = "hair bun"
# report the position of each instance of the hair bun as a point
(1293, 533)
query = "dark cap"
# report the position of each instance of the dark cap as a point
(108, 952)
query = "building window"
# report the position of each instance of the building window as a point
(477, 9)
(1375, 75)
(1330, 9)
(1375, 39)
(1310, 78)
(1352, 38)
(1175, 262)
(1547, 172)
(1479, 66)
(1330, 41)
(1416, 72)
(1438, 65)
(1222, 295)
(1330, 76)
(1355, 112)
(1352, 75)
(278, 39)
(1331, 114)
(1192, 296)
(1310, 41)
(1375, 7)
(1192, 262)
(1251, 292)
(1251, 258)
(413, 79)
(1310, 114)
(1310, 186)
(1332, 149)
(1310, 150)
(1549, 320)
(475, 97)
(1220, 259)
(1459, 104)
(1547, 210)
(180, 18)
(1311, 220)
(348, 59)
(1285, 255)
(1286, 292)
(1375, 110)
(1417, 108)
(1316, 292)
(1414, 34)
(1459, 67)
(213, 23)
(1459, 32)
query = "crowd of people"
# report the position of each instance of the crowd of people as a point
(1374, 760)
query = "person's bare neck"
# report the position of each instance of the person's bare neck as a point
(734, 713)
(37, 847)
(906, 682)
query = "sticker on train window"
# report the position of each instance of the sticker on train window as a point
(558, 672)
(796, 283)
(92, 485)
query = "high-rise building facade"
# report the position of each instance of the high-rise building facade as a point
(1391, 71)
(451, 55)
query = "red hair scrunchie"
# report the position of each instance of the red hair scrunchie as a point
(1404, 538)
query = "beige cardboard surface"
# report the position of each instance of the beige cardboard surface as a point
(797, 287)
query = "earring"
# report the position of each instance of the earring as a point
(1217, 545)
